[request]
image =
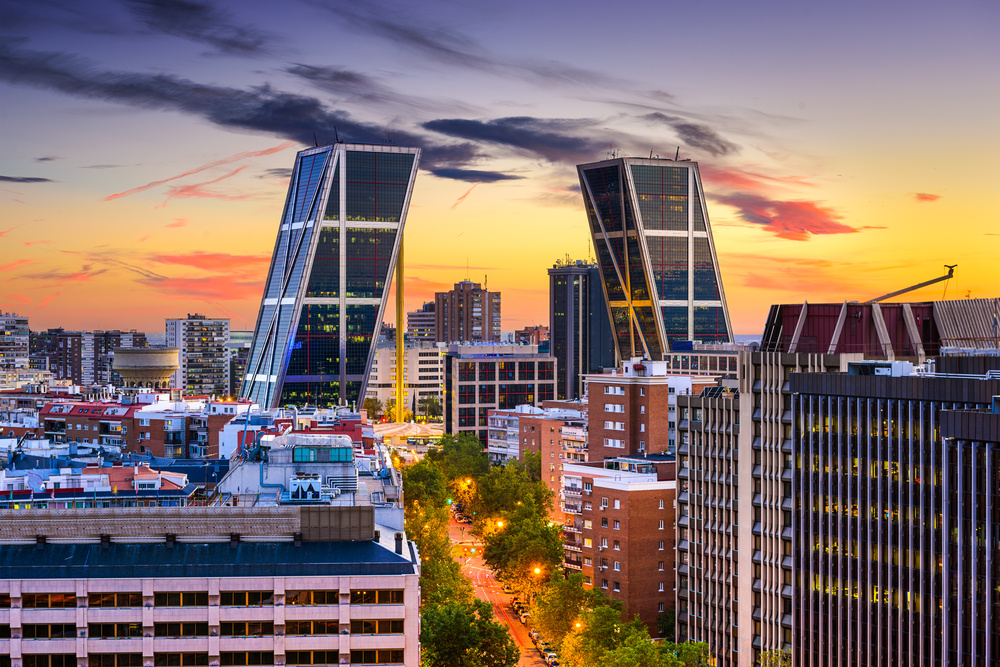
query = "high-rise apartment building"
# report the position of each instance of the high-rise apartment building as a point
(239, 354)
(204, 354)
(896, 519)
(482, 378)
(579, 325)
(14, 341)
(85, 357)
(467, 314)
(333, 261)
(619, 531)
(657, 259)
(420, 324)
(632, 411)
(63, 351)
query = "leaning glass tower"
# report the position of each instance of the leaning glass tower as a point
(655, 252)
(333, 261)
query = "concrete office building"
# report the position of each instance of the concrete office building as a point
(14, 341)
(654, 246)
(420, 324)
(423, 378)
(579, 324)
(897, 526)
(481, 378)
(467, 314)
(204, 354)
(334, 257)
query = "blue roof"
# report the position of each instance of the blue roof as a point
(182, 560)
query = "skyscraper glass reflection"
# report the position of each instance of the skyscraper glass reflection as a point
(333, 261)
(655, 251)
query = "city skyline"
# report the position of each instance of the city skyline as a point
(147, 145)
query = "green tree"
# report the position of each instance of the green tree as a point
(775, 658)
(502, 491)
(688, 654)
(460, 457)
(373, 407)
(665, 624)
(560, 606)
(532, 462)
(526, 551)
(429, 406)
(602, 630)
(465, 635)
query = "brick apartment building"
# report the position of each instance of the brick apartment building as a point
(633, 410)
(559, 437)
(467, 313)
(620, 531)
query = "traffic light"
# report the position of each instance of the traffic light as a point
(449, 501)
(473, 550)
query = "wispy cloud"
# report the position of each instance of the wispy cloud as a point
(223, 288)
(473, 175)
(86, 273)
(198, 191)
(47, 300)
(47, 158)
(792, 220)
(201, 22)
(25, 179)
(19, 298)
(31, 243)
(215, 261)
(695, 135)
(300, 118)
(177, 223)
(554, 139)
(246, 155)
(16, 263)
(925, 197)
(462, 198)
(5, 232)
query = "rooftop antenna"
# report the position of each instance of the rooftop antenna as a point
(677, 154)
(335, 134)
(315, 140)
(650, 153)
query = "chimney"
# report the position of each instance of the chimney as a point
(399, 543)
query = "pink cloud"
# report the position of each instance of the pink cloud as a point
(16, 263)
(926, 197)
(227, 160)
(47, 300)
(5, 232)
(19, 298)
(197, 191)
(177, 223)
(216, 261)
(225, 287)
(462, 198)
(31, 243)
(792, 220)
(84, 275)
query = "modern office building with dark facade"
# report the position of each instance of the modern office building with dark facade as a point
(655, 251)
(896, 523)
(333, 261)
(579, 327)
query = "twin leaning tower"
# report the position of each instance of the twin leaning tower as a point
(341, 235)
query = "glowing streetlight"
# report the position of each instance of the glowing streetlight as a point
(538, 570)
(499, 524)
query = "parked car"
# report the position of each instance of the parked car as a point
(551, 659)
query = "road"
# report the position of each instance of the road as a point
(486, 588)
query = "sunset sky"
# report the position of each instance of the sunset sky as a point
(847, 149)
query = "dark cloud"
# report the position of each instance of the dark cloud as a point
(200, 22)
(47, 158)
(25, 179)
(259, 109)
(473, 175)
(792, 220)
(278, 172)
(552, 139)
(695, 135)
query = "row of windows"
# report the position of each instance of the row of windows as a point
(200, 599)
(200, 629)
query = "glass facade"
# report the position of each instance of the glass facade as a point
(326, 289)
(655, 253)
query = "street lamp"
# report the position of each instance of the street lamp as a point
(499, 524)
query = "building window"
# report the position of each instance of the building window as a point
(312, 597)
(660, 589)
(604, 583)
(642, 391)
(255, 629)
(659, 607)
(376, 656)
(618, 586)
(392, 626)
(618, 545)
(661, 504)
(114, 600)
(618, 566)
(604, 502)
(661, 524)
(312, 658)
(659, 566)
(660, 546)
(618, 504)
(246, 598)
(53, 631)
(377, 597)
(227, 658)
(182, 659)
(110, 660)
(48, 600)
(617, 524)
(604, 522)
(168, 630)
(180, 599)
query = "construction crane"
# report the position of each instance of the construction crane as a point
(951, 272)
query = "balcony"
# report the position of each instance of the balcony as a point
(571, 529)
(573, 491)
(571, 509)
(573, 564)
(572, 546)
